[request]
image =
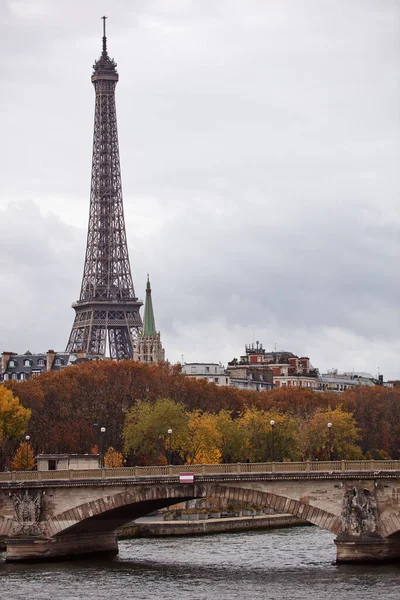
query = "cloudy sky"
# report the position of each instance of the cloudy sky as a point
(260, 146)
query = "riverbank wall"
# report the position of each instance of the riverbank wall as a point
(207, 526)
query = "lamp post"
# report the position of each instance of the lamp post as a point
(101, 448)
(27, 438)
(330, 440)
(170, 445)
(272, 423)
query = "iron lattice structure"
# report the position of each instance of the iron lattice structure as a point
(107, 305)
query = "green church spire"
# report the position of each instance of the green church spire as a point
(149, 324)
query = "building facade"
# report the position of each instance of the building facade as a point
(333, 381)
(23, 366)
(284, 368)
(211, 372)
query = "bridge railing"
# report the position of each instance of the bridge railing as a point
(216, 469)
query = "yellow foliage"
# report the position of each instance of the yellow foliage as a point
(338, 441)
(113, 459)
(13, 416)
(24, 458)
(204, 439)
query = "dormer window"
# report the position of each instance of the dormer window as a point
(12, 363)
(14, 376)
(27, 363)
(41, 362)
(57, 362)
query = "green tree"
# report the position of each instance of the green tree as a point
(266, 442)
(233, 437)
(146, 428)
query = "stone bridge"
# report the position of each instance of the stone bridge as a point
(49, 514)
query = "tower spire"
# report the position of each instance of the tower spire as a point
(107, 309)
(149, 324)
(149, 348)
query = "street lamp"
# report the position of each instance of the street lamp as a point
(27, 438)
(170, 445)
(101, 448)
(330, 440)
(272, 423)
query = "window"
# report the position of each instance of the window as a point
(22, 376)
(57, 362)
(14, 376)
(5, 377)
(217, 380)
(27, 363)
(12, 363)
(207, 369)
(215, 369)
(226, 380)
(52, 464)
(41, 362)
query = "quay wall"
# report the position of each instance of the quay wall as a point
(207, 526)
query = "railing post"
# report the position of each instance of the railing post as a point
(372, 465)
(342, 465)
(169, 470)
(13, 476)
(238, 467)
(273, 467)
(308, 465)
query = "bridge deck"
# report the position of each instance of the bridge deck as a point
(342, 468)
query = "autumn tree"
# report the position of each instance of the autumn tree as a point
(377, 412)
(203, 441)
(13, 421)
(24, 458)
(339, 440)
(113, 459)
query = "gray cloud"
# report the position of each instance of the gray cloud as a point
(259, 147)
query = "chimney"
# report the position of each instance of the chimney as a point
(50, 356)
(5, 357)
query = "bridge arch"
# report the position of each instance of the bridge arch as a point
(112, 511)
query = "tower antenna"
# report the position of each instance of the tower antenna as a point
(104, 35)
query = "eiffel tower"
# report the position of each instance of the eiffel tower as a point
(107, 309)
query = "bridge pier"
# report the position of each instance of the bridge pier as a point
(368, 549)
(34, 549)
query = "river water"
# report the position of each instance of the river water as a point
(281, 564)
